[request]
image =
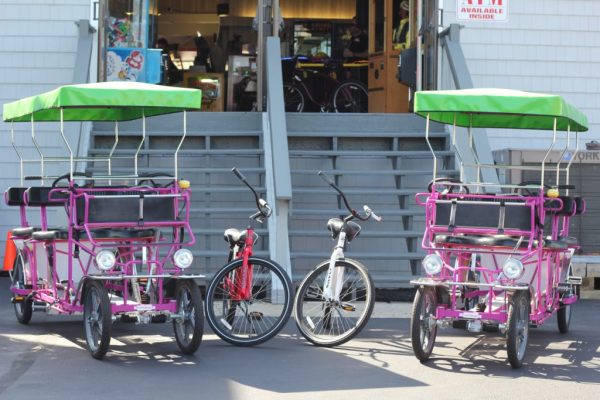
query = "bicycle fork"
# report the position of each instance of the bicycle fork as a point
(335, 276)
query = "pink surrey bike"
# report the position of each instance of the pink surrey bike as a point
(122, 253)
(498, 256)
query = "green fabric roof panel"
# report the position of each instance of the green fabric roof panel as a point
(499, 108)
(106, 101)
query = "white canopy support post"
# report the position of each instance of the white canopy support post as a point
(475, 157)
(64, 138)
(567, 169)
(457, 151)
(135, 160)
(14, 146)
(548, 153)
(37, 147)
(179, 145)
(562, 155)
(112, 150)
(431, 148)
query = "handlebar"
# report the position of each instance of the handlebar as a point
(355, 214)
(264, 210)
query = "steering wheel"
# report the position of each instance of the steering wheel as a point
(68, 175)
(463, 188)
(148, 178)
(529, 192)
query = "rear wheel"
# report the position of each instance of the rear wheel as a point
(517, 331)
(257, 317)
(333, 322)
(97, 319)
(189, 327)
(423, 327)
(24, 307)
(293, 98)
(350, 97)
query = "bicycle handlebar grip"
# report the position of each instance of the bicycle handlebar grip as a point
(371, 213)
(238, 174)
(326, 178)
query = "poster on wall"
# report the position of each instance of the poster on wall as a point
(137, 65)
(482, 10)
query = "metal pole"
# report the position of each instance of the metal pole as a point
(562, 155)
(62, 134)
(14, 146)
(180, 143)
(571, 160)
(135, 161)
(431, 148)
(548, 153)
(112, 151)
(260, 50)
(276, 13)
(37, 147)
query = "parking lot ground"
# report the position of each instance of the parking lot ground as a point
(47, 359)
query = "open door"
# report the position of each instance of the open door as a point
(390, 32)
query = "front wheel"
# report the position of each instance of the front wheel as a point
(97, 319)
(331, 322)
(248, 305)
(423, 327)
(517, 332)
(350, 97)
(23, 308)
(189, 326)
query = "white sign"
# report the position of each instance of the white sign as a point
(482, 10)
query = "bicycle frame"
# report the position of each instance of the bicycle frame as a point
(241, 284)
(335, 276)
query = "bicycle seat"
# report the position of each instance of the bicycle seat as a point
(335, 226)
(234, 236)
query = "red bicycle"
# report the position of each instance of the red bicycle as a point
(250, 299)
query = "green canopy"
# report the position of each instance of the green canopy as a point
(106, 101)
(499, 108)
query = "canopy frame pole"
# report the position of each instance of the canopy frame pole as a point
(470, 139)
(567, 169)
(562, 155)
(64, 138)
(37, 147)
(180, 144)
(431, 148)
(547, 154)
(14, 146)
(112, 150)
(137, 152)
(460, 160)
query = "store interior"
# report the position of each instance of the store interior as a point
(212, 44)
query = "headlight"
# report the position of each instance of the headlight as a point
(183, 258)
(432, 264)
(512, 268)
(105, 260)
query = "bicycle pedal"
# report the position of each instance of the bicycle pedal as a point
(256, 315)
(348, 307)
(18, 299)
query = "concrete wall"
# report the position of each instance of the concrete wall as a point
(38, 45)
(548, 46)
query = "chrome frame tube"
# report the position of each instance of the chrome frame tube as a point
(562, 155)
(64, 138)
(548, 153)
(571, 161)
(37, 147)
(112, 150)
(431, 148)
(477, 163)
(179, 146)
(461, 167)
(137, 152)
(14, 146)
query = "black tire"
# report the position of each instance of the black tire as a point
(331, 323)
(517, 328)
(97, 320)
(350, 97)
(253, 321)
(423, 327)
(24, 309)
(563, 317)
(294, 99)
(190, 327)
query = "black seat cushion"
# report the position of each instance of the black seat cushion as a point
(63, 234)
(580, 205)
(487, 240)
(38, 196)
(335, 226)
(14, 196)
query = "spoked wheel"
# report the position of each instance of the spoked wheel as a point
(350, 97)
(97, 319)
(423, 327)
(23, 309)
(333, 322)
(189, 327)
(293, 98)
(254, 318)
(517, 332)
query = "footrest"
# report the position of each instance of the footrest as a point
(575, 280)
(24, 231)
(44, 235)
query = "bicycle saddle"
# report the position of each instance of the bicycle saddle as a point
(335, 226)
(234, 236)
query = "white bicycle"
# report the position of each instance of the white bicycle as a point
(335, 300)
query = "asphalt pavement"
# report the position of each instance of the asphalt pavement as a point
(47, 359)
